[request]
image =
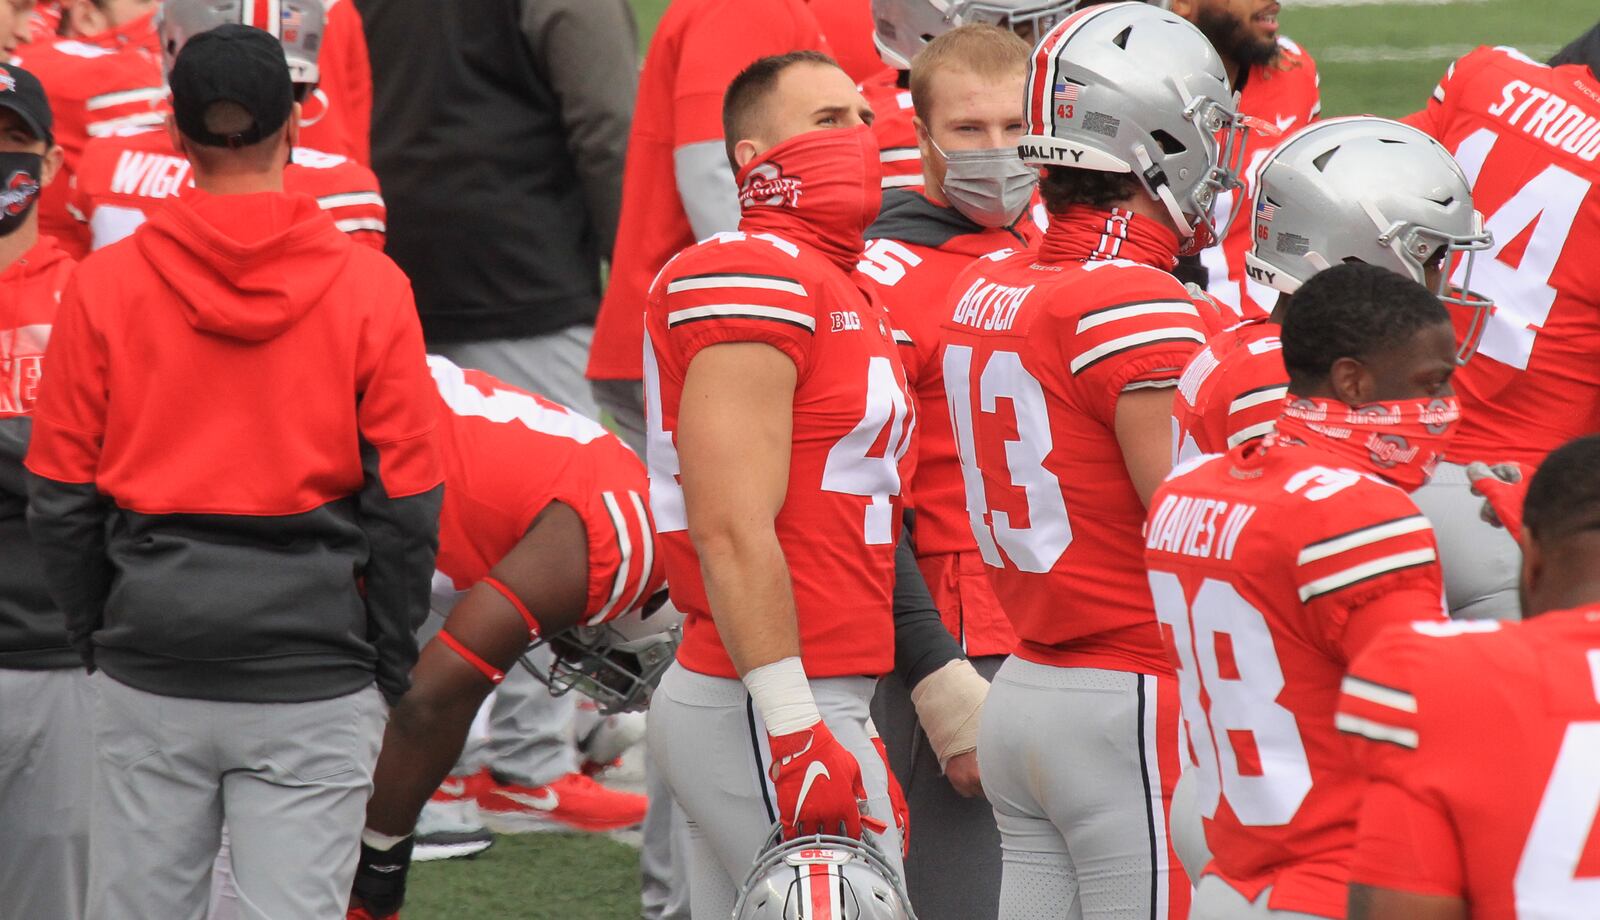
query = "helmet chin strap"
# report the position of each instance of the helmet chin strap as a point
(1162, 190)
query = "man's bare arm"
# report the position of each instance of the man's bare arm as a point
(1144, 431)
(1387, 904)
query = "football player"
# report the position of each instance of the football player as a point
(1058, 365)
(122, 176)
(967, 84)
(1316, 206)
(1278, 84)
(1482, 740)
(1274, 564)
(778, 425)
(1527, 136)
(544, 527)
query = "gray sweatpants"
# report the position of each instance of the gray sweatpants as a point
(1481, 562)
(290, 779)
(1215, 900)
(711, 746)
(1075, 761)
(46, 777)
(953, 869)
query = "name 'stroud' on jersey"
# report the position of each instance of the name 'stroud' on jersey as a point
(1205, 528)
(989, 306)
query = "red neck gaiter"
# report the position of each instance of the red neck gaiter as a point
(821, 188)
(1082, 233)
(1399, 440)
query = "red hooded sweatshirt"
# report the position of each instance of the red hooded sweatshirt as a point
(247, 390)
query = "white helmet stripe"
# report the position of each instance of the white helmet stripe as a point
(1046, 62)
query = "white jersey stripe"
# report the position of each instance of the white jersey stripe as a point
(1366, 570)
(1377, 731)
(902, 181)
(624, 547)
(1379, 694)
(126, 96)
(744, 311)
(1258, 430)
(901, 337)
(1133, 341)
(647, 550)
(1154, 308)
(1251, 400)
(716, 282)
(1366, 536)
(350, 199)
(899, 155)
(113, 125)
(353, 224)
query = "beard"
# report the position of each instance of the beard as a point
(1231, 36)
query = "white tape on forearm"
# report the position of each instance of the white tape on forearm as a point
(381, 842)
(782, 694)
(948, 702)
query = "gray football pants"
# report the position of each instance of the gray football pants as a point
(46, 778)
(530, 731)
(1074, 763)
(290, 779)
(1189, 826)
(953, 869)
(1215, 900)
(1482, 563)
(711, 746)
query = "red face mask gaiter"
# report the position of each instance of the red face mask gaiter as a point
(822, 188)
(1399, 440)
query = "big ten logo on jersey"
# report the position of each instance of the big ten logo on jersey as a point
(990, 306)
(149, 175)
(844, 321)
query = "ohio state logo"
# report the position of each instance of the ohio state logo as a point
(1437, 415)
(18, 194)
(1389, 450)
(1375, 415)
(767, 185)
(1308, 411)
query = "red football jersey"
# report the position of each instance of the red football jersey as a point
(1285, 94)
(1231, 392)
(914, 251)
(853, 421)
(336, 116)
(1483, 743)
(1271, 566)
(696, 51)
(1038, 347)
(891, 124)
(507, 454)
(30, 290)
(1527, 137)
(123, 177)
(94, 91)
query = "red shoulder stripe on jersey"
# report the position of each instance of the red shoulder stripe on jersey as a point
(1378, 694)
(1367, 571)
(488, 670)
(1117, 346)
(522, 609)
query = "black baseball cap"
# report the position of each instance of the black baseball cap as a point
(231, 63)
(21, 92)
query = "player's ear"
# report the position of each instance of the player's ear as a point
(1532, 569)
(294, 127)
(51, 167)
(1351, 381)
(176, 136)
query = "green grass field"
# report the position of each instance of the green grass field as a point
(1375, 57)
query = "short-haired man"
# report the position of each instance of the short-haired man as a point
(1482, 740)
(44, 721)
(1274, 564)
(967, 85)
(240, 604)
(778, 420)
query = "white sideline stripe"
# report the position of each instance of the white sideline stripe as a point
(123, 97)
(713, 282)
(1377, 693)
(1366, 728)
(901, 181)
(1362, 537)
(1390, 54)
(1276, 394)
(741, 309)
(1129, 341)
(1258, 430)
(1137, 309)
(1365, 570)
(353, 224)
(350, 199)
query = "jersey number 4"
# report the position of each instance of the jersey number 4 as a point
(1548, 883)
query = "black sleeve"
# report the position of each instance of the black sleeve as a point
(921, 643)
(403, 535)
(15, 431)
(67, 521)
(1191, 270)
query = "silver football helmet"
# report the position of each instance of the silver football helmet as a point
(298, 24)
(901, 28)
(1131, 88)
(1366, 189)
(822, 877)
(617, 663)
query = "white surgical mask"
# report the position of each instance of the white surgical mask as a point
(991, 187)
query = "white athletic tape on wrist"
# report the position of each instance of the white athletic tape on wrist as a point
(783, 696)
(948, 702)
(381, 842)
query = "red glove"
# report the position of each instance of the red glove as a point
(897, 800)
(1504, 486)
(818, 782)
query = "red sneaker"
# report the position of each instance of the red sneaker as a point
(572, 803)
(450, 825)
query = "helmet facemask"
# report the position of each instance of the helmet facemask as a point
(617, 672)
(1419, 246)
(1224, 163)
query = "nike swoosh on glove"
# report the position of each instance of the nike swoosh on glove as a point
(897, 799)
(818, 782)
(380, 885)
(1504, 487)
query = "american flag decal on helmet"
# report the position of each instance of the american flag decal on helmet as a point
(1265, 210)
(1066, 92)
